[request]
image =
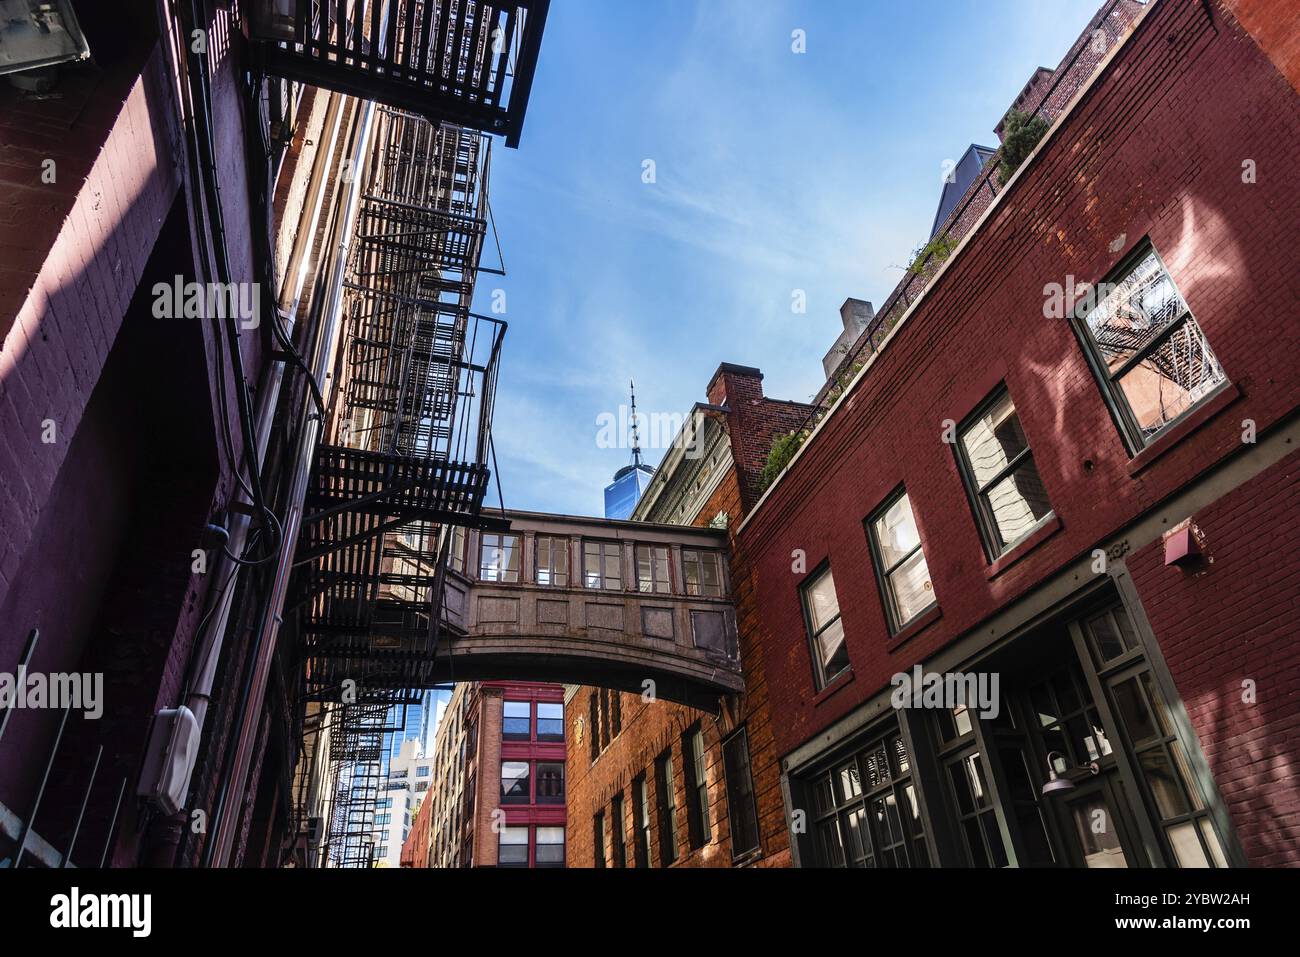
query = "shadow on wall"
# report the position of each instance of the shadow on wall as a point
(107, 576)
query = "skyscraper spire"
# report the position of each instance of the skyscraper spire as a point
(636, 434)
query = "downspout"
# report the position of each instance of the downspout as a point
(224, 818)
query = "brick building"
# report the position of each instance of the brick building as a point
(1073, 506)
(498, 786)
(175, 226)
(653, 783)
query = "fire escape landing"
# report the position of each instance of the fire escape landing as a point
(459, 61)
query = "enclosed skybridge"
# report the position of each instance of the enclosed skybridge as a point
(627, 605)
(466, 62)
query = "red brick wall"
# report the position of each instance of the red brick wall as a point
(1273, 25)
(1228, 620)
(1155, 148)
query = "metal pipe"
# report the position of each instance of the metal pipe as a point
(209, 654)
(224, 822)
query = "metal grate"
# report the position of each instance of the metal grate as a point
(460, 61)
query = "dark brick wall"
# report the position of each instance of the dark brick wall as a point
(1154, 149)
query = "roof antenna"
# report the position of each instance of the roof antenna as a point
(636, 435)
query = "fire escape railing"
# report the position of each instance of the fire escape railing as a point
(411, 438)
(407, 454)
(467, 62)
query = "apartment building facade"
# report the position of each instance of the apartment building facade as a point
(497, 791)
(657, 784)
(1023, 592)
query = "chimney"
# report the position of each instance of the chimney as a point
(733, 384)
(856, 314)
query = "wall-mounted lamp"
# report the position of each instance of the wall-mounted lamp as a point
(1058, 782)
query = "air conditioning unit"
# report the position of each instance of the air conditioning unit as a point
(314, 831)
(39, 33)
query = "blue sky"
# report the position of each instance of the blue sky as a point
(775, 172)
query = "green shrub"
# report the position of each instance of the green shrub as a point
(783, 450)
(1020, 134)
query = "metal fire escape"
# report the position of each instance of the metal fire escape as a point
(409, 435)
(408, 456)
(468, 62)
(410, 450)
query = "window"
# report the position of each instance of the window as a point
(641, 799)
(825, 630)
(598, 840)
(1000, 474)
(1149, 353)
(550, 847)
(499, 558)
(703, 572)
(1181, 811)
(652, 568)
(456, 549)
(512, 851)
(516, 720)
(422, 771)
(550, 782)
(552, 561)
(606, 718)
(865, 810)
(514, 782)
(667, 808)
(601, 567)
(550, 721)
(740, 793)
(381, 850)
(616, 824)
(900, 562)
(383, 819)
(697, 788)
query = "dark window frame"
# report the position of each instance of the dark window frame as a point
(528, 783)
(598, 839)
(730, 774)
(641, 834)
(515, 735)
(538, 719)
(537, 775)
(882, 573)
(666, 806)
(1112, 393)
(695, 771)
(985, 520)
(617, 821)
(820, 678)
